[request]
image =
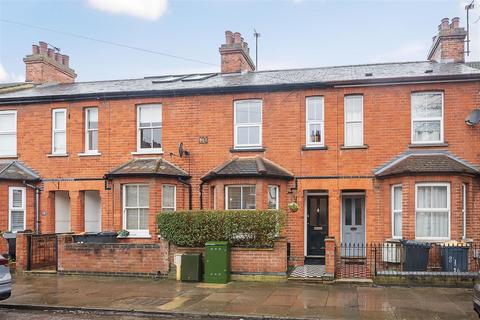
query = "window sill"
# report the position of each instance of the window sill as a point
(59, 155)
(138, 236)
(308, 148)
(251, 149)
(353, 147)
(428, 145)
(434, 240)
(144, 152)
(89, 154)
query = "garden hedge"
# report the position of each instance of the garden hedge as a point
(242, 228)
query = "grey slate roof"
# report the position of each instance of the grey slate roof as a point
(16, 170)
(249, 81)
(473, 64)
(426, 162)
(148, 167)
(248, 167)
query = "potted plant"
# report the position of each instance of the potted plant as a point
(293, 206)
(123, 233)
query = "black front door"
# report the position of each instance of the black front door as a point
(317, 225)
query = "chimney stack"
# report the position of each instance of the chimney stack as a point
(449, 44)
(235, 54)
(45, 65)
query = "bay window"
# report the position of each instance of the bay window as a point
(432, 211)
(135, 209)
(397, 212)
(240, 197)
(149, 128)
(59, 131)
(168, 197)
(8, 133)
(314, 121)
(248, 123)
(273, 199)
(427, 117)
(16, 209)
(353, 121)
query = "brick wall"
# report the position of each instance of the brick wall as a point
(120, 258)
(249, 260)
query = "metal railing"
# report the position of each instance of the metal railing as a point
(42, 251)
(406, 258)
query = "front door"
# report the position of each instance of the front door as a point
(317, 225)
(353, 220)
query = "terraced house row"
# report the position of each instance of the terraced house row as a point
(368, 152)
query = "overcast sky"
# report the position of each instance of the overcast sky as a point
(294, 33)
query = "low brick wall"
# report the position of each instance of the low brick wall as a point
(147, 259)
(3, 246)
(249, 260)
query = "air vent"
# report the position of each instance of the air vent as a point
(368, 74)
(429, 71)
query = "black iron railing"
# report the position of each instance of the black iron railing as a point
(42, 251)
(406, 257)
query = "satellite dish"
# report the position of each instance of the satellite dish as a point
(180, 149)
(473, 118)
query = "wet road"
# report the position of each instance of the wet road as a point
(6, 314)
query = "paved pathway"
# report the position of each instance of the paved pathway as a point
(286, 299)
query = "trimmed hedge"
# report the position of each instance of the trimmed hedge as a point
(242, 228)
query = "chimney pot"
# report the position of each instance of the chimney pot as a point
(455, 23)
(444, 25)
(58, 57)
(65, 60)
(51, 53)
(228, 37)
(35, 49)
(43, 47)
(237, 37)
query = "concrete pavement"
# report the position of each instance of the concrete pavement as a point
(285, 299)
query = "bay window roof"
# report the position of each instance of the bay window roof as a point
(423, 162)
(248, 167)
(148, 167)
(16, 170)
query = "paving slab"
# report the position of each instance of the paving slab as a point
(251, 299)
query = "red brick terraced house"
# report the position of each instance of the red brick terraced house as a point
(368, 152)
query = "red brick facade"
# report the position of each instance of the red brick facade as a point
(332, 170)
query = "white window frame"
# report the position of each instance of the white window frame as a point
(54, 112)
(277, 194)
(433, 184)
(441, 119)
(308, 143)
(14, 153)
(139, 142)
(88, 130)
(243, 125)
(12, 208)
(464, 210)
(241, 195)
(396, 211)
(174, 197)
(345, 122)
(135, 233)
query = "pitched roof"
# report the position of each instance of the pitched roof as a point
(248, 167)
(423, 162)
(16, 170)
(148, 167)
(246, 81)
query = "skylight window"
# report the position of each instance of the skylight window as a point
(167, 79)
(197, 77)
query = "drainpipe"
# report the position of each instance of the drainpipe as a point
(37, 205)
(201, 194)
(189, 185)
